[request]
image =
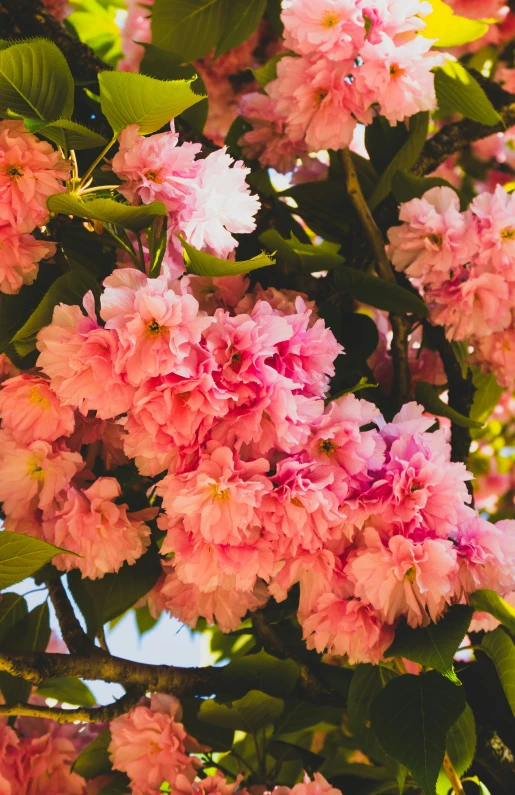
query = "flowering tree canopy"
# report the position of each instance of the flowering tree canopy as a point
(257, 365)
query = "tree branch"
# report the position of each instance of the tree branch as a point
(71, 630)
(453, 777)
(400, 324)
(95, 715)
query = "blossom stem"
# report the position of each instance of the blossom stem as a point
(457, 786)
(95, 162)
(400, 324)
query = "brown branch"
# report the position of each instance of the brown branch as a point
(400, 324)
(457, 786)
(95, 715)
(21, 669)
(71, 630)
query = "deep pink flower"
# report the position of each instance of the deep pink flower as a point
(19, 258)
(49, 751)
(486, 554)
(268, 140)
(31, 411)
(495, 354)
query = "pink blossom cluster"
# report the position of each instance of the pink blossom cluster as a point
(464, 262)
(30, 171)
(36, 758)
(348, 60)
(208, 200)
(262, 484)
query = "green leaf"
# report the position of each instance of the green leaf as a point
(190, 28)
(94, 759)
(207, 265)
(217, 738)
(244, 17)
(108, 211)
(96, 25)
(483, 790)
(434, 646)
(35, 81)
(501, 651)
(299, 715)
(406, 186)
(67, 134)
(458, 91)
(102, 600)
(490, 602)
(449, 29)
(248, 714)
(302, 255)
(427, 395)
(129, 98)
(144, 621)
(486, 397)
(32, 633)
(120, 785)
(404, 159)
(13, 608)
(289, 752)
(69, 690)
(268, 72)
(273, 14)
(325, 206)
(367, 682)
(461, 747)
(70, 288)
(21, 556)
(378, 292)
(263, 672)
(411, 718)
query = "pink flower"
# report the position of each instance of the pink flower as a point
(7, 368)
(316, 102)
(136, 29)
(283, 302)
(33, 476)
(19, 258)
(186, 601)
(79, 357)
(332, 27)
(59, 9)
(222, 292)
(12, 778)
(347, 626)
(31, 411)
(156, 168)
(496, 228)
(486, 554)
(495, 353)
(210, 785)
(268, 140)
(398, 76)
(221, 204)
(98, 529)
(403, 578)
(150, 744)
(396, 18)
(156, 328)
(30, 171)
(435, 240)
(319, 786)
(49, 751)
(219, 499)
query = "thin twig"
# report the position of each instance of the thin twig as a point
(71, 630)
(400, 324)
(94, 715)
(457, 786)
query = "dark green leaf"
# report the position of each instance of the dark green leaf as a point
(102, 600)
(263, 672)
(273, 14)
(94, 759)
(461, 747)
(411, 718)
(404, 159)
(144, 621)
(325, 206)
(13, 608)
(244, 17)
(190, 28)
(458, 91)
(21, 556)
(268, 72)
(108, 211)
(406, 186)
(299, 715)
(35, 81)
(69, 135)
(501, 651)
(299, 255)
(367, 682)
(207, 265)
(32, 633)
(378, 292)
(490, 602)
(70, 288)
(434, 646)
(427, 395)
(120, 785)
(249, 714)
(69, 690)
(383, 141)
(129, 98)
(216, 737)
(288, 752)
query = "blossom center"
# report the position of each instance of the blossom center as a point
(153, 176)
(330, 19)
(410, 574)
(396, 70)
(436, 240)
(297, 502)
(35, 471)
(326, 446)
(36, 397)
(154, 328)
(14, 171)
(219, 494)
(508, 234)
